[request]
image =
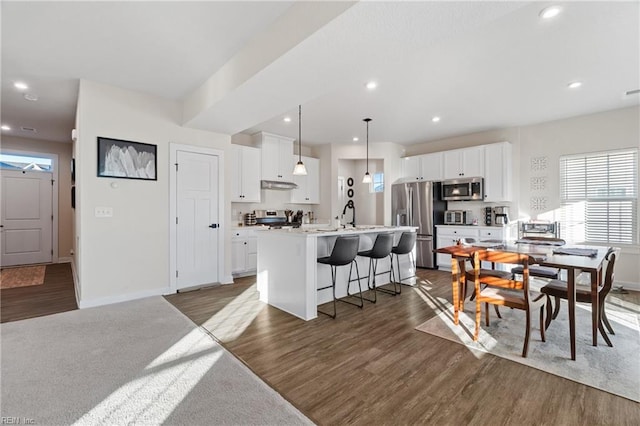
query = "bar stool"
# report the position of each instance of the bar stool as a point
(344, 253)
(381, 249)
(405, 246)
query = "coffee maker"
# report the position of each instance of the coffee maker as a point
(501, 215)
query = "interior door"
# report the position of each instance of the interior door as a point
(27, 218)
(197, 230)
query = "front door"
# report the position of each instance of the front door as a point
(197, 226)
(26, 209)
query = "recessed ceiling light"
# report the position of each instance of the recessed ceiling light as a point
(574, 84)
(31, 97)
(20, 85)
(550, 12)
(287, 119)
(356, 139)
(435, 119)
(5, 127)
(372, 85)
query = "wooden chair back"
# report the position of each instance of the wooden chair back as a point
(497, 257)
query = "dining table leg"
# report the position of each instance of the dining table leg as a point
(571, 299)
(455, 287)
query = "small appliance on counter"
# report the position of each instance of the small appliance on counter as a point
(501, 215)
(458, 217)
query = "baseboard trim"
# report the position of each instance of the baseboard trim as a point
(627, 285)
(64, 260)
(91, 303)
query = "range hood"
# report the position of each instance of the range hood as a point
(277, 185)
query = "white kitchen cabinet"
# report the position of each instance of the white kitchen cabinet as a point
(449, 236)
(244, 252)
(463, 163)
(245, 180)
(498, 174)
(308, 190)
(426, 167)
(276, 157)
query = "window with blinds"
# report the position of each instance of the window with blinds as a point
(599, 197)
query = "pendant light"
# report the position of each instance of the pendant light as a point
(367, 176)
(300, 169)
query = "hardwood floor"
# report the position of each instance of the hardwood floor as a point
(371, 367)
(56, 295)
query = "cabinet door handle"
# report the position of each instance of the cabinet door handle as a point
(214, 225)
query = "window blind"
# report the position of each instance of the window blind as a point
(599, 196)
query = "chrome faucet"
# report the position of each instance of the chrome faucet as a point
(350, 205)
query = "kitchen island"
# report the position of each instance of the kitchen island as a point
(288, 274)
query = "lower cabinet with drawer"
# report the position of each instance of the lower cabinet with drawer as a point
(449, 236)
(244, 252)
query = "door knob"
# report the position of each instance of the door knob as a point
(213, 225)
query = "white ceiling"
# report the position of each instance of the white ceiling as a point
(478, 65)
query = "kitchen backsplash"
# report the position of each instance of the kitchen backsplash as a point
(272, 200)
(477, 208)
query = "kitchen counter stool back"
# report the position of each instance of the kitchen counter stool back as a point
(344, 253)
(381, 249)
(405, 246)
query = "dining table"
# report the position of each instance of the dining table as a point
(544, 255)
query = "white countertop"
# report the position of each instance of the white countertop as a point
(474, 226)
(328, 232)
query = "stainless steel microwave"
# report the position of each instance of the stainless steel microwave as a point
(463, 189)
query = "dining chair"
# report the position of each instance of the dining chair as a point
(558, 290)
(500, 291)
(538, 270)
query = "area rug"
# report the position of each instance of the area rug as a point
(612, 369)
(135, 363)
(22, 276)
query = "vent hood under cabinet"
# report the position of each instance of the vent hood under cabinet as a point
(277, 185)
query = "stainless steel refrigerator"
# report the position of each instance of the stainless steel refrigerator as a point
(418, 204)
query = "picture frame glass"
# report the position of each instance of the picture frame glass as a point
(126, 159)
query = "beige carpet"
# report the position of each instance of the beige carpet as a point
(134, 363)
(22, 276)
(613, 369)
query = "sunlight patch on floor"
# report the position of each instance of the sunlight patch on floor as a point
(230, 322)
(445, 314)
(163, 384)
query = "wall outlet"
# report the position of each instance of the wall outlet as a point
(104, 211)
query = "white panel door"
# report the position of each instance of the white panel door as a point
(197, 230)
(26, 217)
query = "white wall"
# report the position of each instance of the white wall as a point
(602, 131)
(127, 256)
(330, 154)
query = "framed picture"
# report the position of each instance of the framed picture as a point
(126, 159)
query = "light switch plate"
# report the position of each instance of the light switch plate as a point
(104, 211)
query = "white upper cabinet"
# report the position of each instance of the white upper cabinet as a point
(498, 174)
(426, 167)
(245, 180)
(308, 191)
(464, 163)
(276, 157)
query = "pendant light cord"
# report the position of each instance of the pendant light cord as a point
(299, 133)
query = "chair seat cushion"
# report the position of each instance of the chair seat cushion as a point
(558, 288)
(538, 271)
(509, 297)
(327, 261)
(489, 273)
